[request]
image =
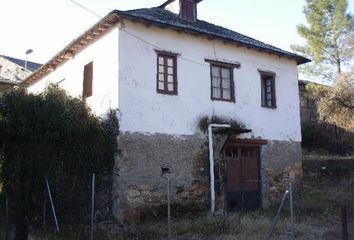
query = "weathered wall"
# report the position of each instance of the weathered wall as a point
(179, 114)
(104, 55)
(280, 160)
(139, 184)
(139, 181)
(12, 71)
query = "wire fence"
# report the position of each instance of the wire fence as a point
(321, 207)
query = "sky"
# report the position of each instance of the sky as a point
(47, 26)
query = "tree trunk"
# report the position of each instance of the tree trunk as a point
(20, 216)
(339, 67)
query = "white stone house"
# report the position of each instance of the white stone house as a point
(165, 70)
(14, 70)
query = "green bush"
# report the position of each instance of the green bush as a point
(55, 136)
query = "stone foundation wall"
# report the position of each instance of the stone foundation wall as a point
(142, 167)
(145, 161)
(280, 160)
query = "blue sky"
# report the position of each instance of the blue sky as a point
(47, 26)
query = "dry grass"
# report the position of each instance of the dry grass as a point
(246, 226)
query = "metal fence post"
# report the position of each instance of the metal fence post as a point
(52, 204)
(278, 212)
(168, 208)
(92, 204)
(291, 210)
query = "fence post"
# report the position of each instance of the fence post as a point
(44, 213)
(344, 221)
(7, 217)
(278, 212)
(52, 204)
(291, 209)
(92, 204)
(168, 208)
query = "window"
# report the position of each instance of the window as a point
(87, 83)
(268, 89)
(222, 82)
(166, 73)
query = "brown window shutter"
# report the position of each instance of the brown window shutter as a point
(87, 83)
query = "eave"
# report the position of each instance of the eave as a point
(73, 48)
(299, 59)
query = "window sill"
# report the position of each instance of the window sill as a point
(167, 93)
(223, 100)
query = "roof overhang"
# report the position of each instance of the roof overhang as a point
(299, 59)
(77, 45)
(109, 22)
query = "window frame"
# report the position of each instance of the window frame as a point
(266, 76)
(87, 84)
(222, 65)
(166, 55)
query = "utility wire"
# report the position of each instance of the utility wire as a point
(142, 39)
(86, 9)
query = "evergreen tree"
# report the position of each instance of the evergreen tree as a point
(329, 37)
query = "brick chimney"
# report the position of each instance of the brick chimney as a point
(188, 10)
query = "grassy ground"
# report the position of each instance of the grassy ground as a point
(255, 225)
(317, 216)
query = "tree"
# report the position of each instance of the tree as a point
(329, 37)
(336, 104)
(49, 135)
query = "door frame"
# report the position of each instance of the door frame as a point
(250, 143)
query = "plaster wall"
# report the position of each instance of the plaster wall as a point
(144, 110)
(104, 55)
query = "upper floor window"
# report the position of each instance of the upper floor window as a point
(222, 81)
(166, 73)
(268, 89)
(87, 83)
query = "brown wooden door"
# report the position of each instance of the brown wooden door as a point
(242, 177)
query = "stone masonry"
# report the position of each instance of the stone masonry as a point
(145, 161)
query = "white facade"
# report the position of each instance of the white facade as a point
(124, 68)
(104, 55)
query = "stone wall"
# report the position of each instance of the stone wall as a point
(280, 161)
(12, 71)
(144, 162)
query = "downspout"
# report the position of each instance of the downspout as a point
(211, 162)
